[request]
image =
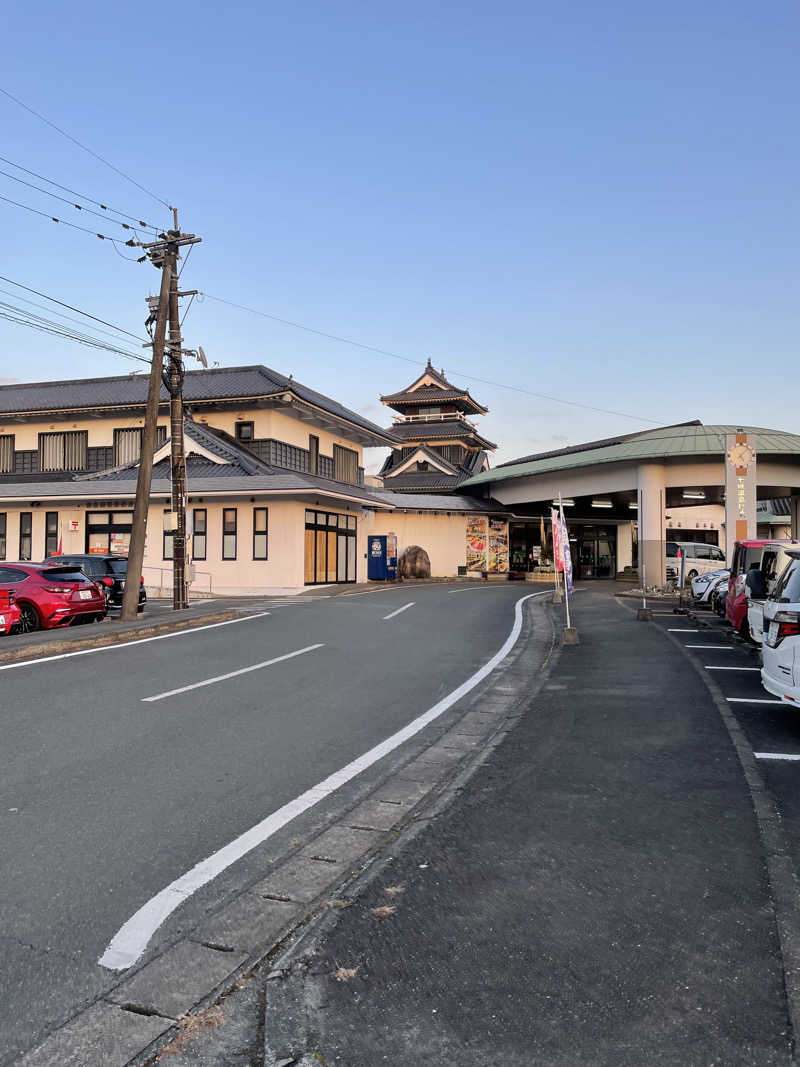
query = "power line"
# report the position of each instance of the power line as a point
(60, 314)
(35, 322)
(75, 141)
(423, 363)
(92, 200)
(72, 203)
(69, 307)
(64, 222)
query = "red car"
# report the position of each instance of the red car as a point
(49, 596)
(9, 613)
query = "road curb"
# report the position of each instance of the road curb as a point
(135, 1022)
(781, 874)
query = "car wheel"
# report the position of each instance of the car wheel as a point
(29, 620)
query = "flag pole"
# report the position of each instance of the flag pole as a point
(566, 584)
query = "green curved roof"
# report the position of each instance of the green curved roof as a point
(665, 442)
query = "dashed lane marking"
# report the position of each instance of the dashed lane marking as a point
(392, 614)
(231, 674)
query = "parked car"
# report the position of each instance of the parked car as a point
(9, 613)
(703, 585)
(700, 559)
(718, 598)
(745, 553)
(49, 596)
(773, 562)
(780, 673)
(108, 570)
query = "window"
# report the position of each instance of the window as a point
(717, 554)
(313, 454)
(50, 533)
(787, 591)
(345, 465)
(2, 535)
(127, 446)
(168, 544)
(6, 453)
(245, 431)
(229, 533)
(259, 533)
(199, 530)
(63, 451)
(701, 552)
(26, 535)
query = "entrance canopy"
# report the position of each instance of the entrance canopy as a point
(642, 477)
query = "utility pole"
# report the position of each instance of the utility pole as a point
(178, 458)
(163, 253)
(130, 597)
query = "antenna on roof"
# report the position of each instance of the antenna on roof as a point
(201, 357)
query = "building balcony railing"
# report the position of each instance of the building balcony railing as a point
(442, 416)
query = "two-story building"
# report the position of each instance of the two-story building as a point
(276, 495)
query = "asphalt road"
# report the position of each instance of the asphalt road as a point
(106, 797)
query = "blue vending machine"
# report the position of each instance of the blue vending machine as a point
(382, 558)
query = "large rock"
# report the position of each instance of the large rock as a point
(414, 563)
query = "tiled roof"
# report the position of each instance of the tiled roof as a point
(429, 431)
(440, 502)
(223, 383)
(666, 442)
(442, 390)
(422, 480)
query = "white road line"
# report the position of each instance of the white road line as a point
(712, 648)
(680, 630)
(131, 940)
(751, 700)
(472, 588)
(405, 607)
(127, 644)
(777, 755)
(708, 667)
(231, 674)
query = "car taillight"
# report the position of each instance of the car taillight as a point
(788, 624)
(58, 589)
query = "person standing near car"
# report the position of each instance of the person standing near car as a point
(755, 583)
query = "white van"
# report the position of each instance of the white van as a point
(774, 561)
(700, 558)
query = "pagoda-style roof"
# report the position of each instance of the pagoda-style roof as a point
(450, 429)
(432, 387)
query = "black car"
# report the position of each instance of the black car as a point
(108, 571)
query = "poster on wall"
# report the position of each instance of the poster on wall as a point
(498, 546)
(476, 544)
(120, 543)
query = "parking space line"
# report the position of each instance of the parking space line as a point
(708, 667)
(712, 648)
(680, 630)
(231, 674)
(751, 700)
(788, 756)
(392, 614)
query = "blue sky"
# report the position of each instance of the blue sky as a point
(597, 202)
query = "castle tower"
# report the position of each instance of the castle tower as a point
(441, 446)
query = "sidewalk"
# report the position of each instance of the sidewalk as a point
(596, 895)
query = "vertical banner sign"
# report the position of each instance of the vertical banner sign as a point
(740, 489)
(567, 554)
(558, 555)
(477, 543)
